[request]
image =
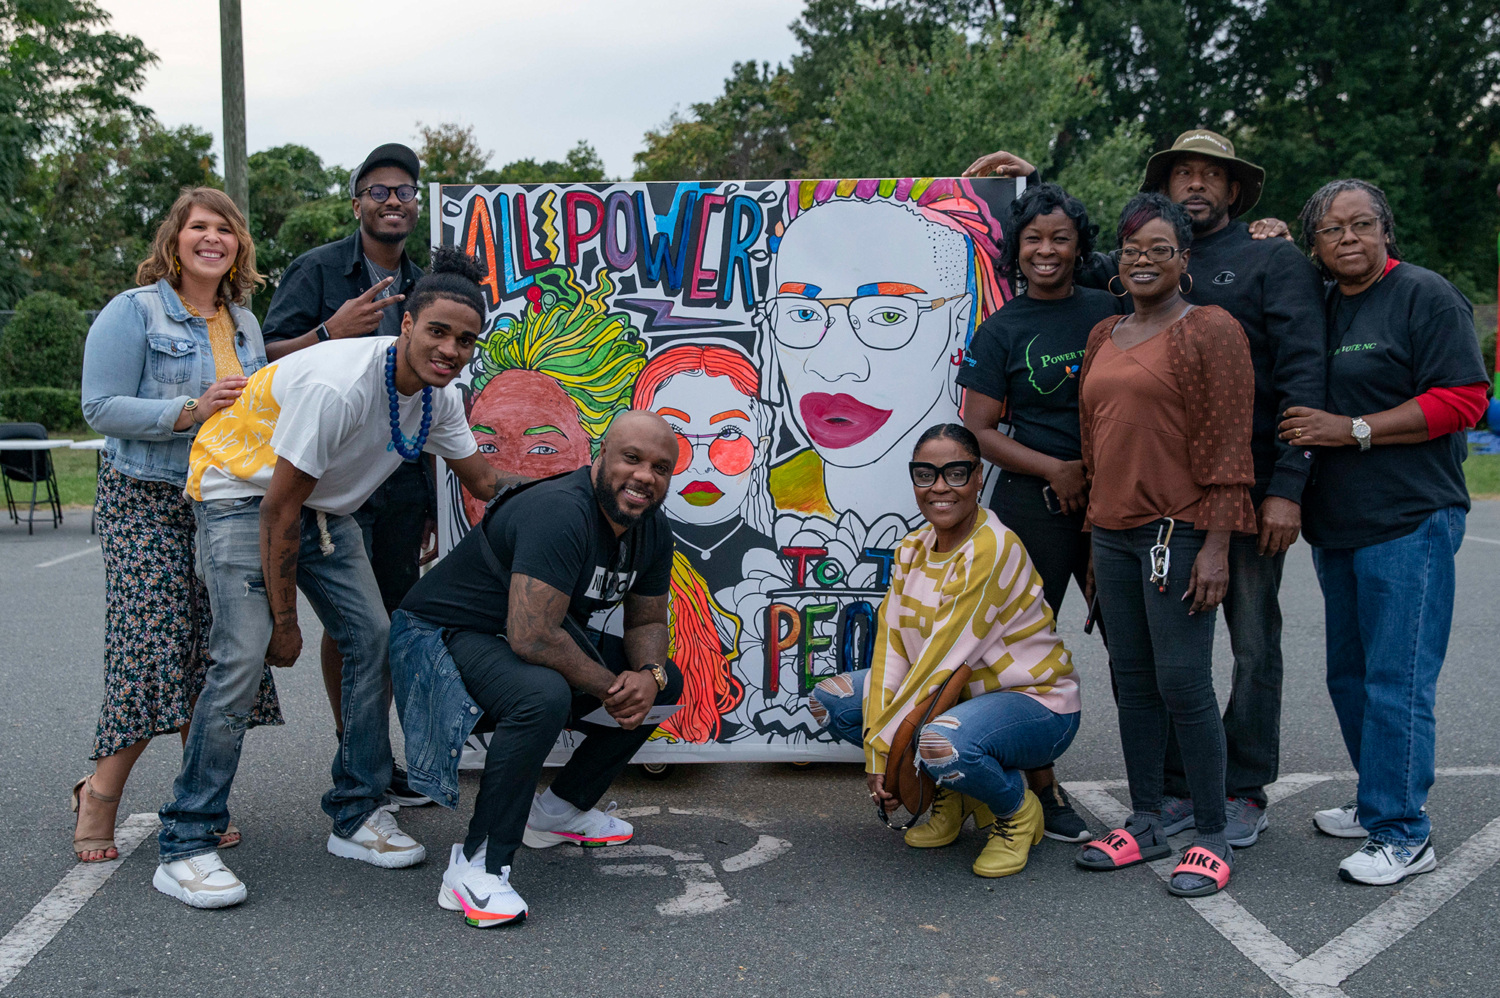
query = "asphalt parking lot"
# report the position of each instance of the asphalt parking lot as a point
(753, 880)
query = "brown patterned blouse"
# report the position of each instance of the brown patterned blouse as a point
(1165, 425)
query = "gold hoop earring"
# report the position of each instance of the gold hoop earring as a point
(232, 272)
(1189, 289)
(176, 264)
(1110, 284)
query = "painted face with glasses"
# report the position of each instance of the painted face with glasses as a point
(947, 481)
(870, 303)
(384, 214)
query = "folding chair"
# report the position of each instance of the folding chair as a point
(34, 467)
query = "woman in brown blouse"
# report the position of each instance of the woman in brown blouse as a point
(1165, 406)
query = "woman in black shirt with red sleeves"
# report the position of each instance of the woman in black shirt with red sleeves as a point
(1022, 365)
(1385, 513)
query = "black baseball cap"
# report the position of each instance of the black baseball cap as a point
(390, 154)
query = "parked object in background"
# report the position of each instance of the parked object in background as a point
(34, 468)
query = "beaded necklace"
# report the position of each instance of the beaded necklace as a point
(409, 450)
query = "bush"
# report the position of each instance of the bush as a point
(60, 410)
(42, 346)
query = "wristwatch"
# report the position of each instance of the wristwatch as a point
(1360, 430)
(657, 673)
(323, 334)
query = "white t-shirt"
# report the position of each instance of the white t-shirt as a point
(326, 410)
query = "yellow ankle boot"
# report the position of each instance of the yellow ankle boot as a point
(949, 812)
(1011, 840)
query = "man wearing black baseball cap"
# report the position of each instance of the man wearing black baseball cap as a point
(1276, 295)
(354, 287)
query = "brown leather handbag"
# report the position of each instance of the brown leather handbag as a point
(910, 785)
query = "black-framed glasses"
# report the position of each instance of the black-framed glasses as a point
(882, 322)
(956, 473)
(1160, 253)
(380, 192)
(1362, 228)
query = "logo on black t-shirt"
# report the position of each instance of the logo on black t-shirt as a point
(1224, 277)
(609, 586)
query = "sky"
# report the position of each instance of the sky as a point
(532, 78)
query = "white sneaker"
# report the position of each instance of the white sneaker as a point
(476, 750)
(485, 899)
(1341, 822)
(203, 882)
(1380, 863)
(379, 842)
(582, 828)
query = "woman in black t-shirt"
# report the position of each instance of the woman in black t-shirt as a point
(1385, 513)
(1022, 364)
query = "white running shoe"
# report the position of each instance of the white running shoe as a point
(476, 750)
(582, 828)
(1380, 863)
(1341, 822)
(485, 899)
(379, 842)
(202, 882)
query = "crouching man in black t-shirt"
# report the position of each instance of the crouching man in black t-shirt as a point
(498, 628)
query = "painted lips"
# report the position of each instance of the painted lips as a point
(839, 420)
(701, 493)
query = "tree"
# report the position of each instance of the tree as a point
(582, 165)
(296, 204)
(450, 154)
(96, 199)
(43, 344)
(747, 132)
(60, 71)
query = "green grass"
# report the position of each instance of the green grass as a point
(1483, 473)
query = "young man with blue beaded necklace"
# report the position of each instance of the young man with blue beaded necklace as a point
(275, 477)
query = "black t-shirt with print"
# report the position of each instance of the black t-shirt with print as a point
(554, 532)
(1409, 332)
(1027, 354)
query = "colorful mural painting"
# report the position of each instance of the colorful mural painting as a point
(797, 336)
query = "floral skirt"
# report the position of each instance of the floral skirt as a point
(156, 615)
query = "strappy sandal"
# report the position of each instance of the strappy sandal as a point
(1120, 850)
(81, 846)
(1203, 863)
(231, 837)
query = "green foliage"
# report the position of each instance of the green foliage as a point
(97, 197)
(450, 154)
(60, 73)
(747, 132)
(60, 410)
(1104, 174)
(285, 183)
(582, 165)
(42, 345)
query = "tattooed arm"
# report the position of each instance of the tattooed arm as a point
(535, 632)
(482, 480)
(280, 538)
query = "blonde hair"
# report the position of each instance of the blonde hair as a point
(162, 260)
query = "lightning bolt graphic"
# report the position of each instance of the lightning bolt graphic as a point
(659, 317)
(548, 216)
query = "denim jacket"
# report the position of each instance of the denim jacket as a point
(145, 356)
(436, 711)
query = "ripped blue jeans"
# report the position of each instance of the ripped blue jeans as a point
(982, 747)
(341, 588)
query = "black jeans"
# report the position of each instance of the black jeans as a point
(1162, 660)
(1252, 721)
(1057, 542)
(530, 705)
(393, 519)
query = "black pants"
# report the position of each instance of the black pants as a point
(1162, 660)
(530, 705)
(1252, 720)
(1056, 542)
(393, 519)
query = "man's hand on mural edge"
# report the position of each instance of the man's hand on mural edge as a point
(1000, 164)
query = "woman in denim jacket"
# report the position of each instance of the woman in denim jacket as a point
(160, 360)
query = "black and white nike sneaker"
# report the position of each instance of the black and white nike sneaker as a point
(485, 899)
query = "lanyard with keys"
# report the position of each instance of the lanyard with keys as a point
(1161, 554)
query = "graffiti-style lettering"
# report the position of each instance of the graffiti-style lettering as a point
(812, 643)
(828, 573)
(885, 558)
(619, 220)
(663, 251)
(526, 240)
(707, 205)
(776, 642)
(573, 235)
(856, 636)
(743, 223)
(479, 241)
(799, 556)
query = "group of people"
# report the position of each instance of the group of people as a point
(1202, 395)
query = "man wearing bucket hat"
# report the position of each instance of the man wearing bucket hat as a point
(1275, 294)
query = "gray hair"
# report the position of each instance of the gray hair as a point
(1319, 204)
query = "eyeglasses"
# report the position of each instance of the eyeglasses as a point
(955, 473)
(729, 450)
(882, 322)
(1156, 254)
(1362, 229)
(380, 192)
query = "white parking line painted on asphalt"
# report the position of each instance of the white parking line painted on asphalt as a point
(1320, 974)
(66, 557)
(38, 928)
(767, 848)
(1482, 540)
